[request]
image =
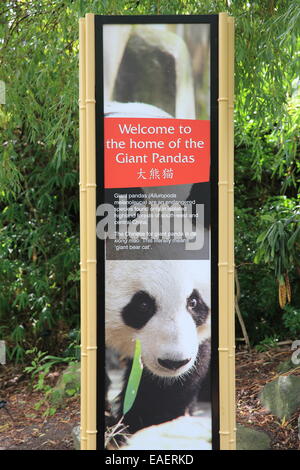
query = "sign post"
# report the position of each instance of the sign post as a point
(157, 230)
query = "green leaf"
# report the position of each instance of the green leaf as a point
(134, 378)
(292, 240)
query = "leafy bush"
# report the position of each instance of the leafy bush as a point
(267, 343)
(39, 223)
(291, 320)
(39, 369)
(39, 248)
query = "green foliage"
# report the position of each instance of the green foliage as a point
(39, 369)
(267, 106)
(40, 366)
(259, 304)
(267, 343)
(39, 247)
(279, 243)
(291, 320)
(73, 346)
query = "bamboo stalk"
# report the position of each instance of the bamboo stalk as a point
(238, 312)
(223, 235)
(231, 298)
(83, 231)
(91, 234)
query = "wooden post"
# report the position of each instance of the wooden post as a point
(231, 309)
(226, 259)
(83, 242)
(91, 233)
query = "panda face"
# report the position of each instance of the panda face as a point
(164, 304)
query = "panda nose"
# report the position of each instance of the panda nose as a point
(173, 365)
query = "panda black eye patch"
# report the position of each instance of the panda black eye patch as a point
(197, 308)
(139, 310)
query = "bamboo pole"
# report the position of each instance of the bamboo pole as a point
(223, 235)
(83, 231)
(226, 234)
(91, 234)
(231, 299)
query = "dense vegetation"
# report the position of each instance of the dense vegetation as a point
(39, 228)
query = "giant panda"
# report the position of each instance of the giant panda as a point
(166, 305)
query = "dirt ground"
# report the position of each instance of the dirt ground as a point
(22, 427)
(253, 371)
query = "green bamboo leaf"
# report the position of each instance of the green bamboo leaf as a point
(262, 237)
(134, 378)
(293, 238)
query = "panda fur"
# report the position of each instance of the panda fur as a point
(166, 305)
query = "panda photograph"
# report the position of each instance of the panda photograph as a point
(158, 302)
(166, 306)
